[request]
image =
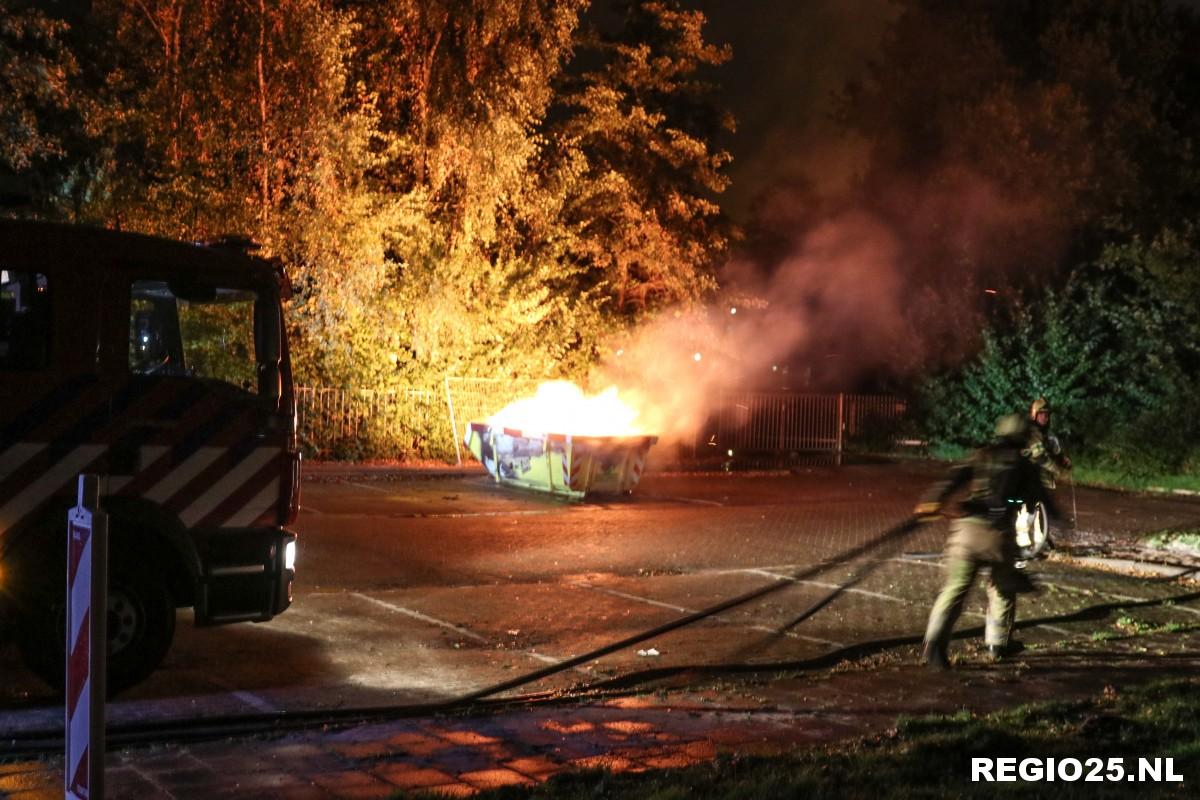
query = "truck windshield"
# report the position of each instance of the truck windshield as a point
(202, 331)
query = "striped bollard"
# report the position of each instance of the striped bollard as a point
(87, 639)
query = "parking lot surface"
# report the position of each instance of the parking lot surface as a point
(417, 588)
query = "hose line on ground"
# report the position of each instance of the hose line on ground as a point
(44, 741)
(33, 744)
(895, 532)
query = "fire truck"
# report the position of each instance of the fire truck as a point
(163, 368)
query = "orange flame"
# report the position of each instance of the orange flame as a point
(562, 407)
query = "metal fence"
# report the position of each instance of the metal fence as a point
(786, 421)
(357, 423)
(361, 423)
(475, 399)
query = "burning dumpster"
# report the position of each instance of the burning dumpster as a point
(605, 455)
(560, 463)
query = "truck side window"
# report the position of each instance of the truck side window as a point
(24, 320)
(200, 331)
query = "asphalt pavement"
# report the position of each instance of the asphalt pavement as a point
(669, 724)
(1108, 613)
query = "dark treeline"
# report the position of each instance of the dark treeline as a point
(1031, 175)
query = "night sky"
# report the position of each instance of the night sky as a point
(789, 58)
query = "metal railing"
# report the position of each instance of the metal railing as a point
(430, 422)
(362, 423)
(787, 421)
(475, 399)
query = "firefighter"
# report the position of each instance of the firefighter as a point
(983, 537)
(1041, 446)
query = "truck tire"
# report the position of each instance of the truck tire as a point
(141, 625)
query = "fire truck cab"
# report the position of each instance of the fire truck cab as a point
(162, 367)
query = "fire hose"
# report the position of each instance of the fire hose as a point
(893, 533)
(46, 742)
(37, 744)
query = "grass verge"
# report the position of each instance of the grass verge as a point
(1186, 542)
(931, 756)
(1099, 476)
(1085, 474)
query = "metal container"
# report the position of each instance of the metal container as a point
(561, 464)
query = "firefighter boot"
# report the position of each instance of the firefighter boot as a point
(933, 656)
(999, 652)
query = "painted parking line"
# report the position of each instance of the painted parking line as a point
(248, 698)
(1124, 598)
(464, 514)
(450, 626)
(824, 585)
(937, 564)
(694, 500)
(443, 515)
(408, 612)
(684, 610)
(372, 488)
(925, 561)
(893, 599)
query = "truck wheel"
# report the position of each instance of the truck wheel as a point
(141, 624)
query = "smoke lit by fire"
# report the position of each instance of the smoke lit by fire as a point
(845, 303)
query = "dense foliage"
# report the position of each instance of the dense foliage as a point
(34, 71)
(456, 187)
(1117, 350)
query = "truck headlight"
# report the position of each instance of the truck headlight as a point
(289, 555)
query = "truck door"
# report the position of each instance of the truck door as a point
(53, 407)
(216, 460)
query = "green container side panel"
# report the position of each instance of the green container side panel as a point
(568, 466)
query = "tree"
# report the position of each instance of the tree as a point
(483, 284)
(35, 71)
(219, 118)
(641, 126)
(437, 209)
(1116, 352)
(1070, 119)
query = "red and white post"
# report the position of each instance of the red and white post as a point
(87, 643)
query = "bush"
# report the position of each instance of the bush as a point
(1114, 351)
(1162, 441)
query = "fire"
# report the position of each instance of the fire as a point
(562, 407)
